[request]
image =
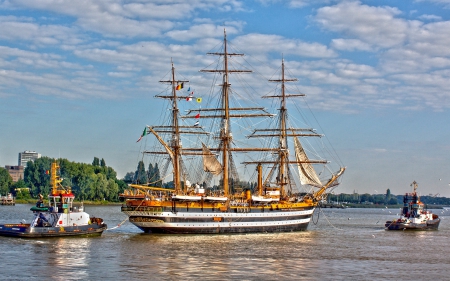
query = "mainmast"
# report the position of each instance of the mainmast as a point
(225, 135)
(225, 132)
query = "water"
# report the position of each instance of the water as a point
(346, 244)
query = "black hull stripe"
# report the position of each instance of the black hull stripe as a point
(223, 230)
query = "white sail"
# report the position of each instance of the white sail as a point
(307, 173)
(210, 163)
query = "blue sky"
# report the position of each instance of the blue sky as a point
(77, 78)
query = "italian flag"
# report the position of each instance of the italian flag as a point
(144, 133)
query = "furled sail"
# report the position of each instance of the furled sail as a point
(307, 173)
(210, 163)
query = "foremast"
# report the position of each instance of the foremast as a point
(175, 141)
(174, 148)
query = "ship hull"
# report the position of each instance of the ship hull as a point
(400, 225)
(26, 231)
(196, 221)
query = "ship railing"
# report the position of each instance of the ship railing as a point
(142, 209)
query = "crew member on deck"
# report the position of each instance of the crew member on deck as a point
(40, 202)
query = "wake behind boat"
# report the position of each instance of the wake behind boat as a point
(58, 218)
(414, 215)
(286, 191)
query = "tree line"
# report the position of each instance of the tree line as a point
(91, 182)
(97, 182)
(383, 199)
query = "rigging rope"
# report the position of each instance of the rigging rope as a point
(321, 211)
(118, 225)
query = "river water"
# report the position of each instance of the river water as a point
(345, 244)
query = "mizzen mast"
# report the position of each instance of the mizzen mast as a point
(283, 132)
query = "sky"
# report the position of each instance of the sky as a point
(78, 78)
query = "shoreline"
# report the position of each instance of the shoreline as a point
(106, 203)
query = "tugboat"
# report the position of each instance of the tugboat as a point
(59, 218)
(414, 216)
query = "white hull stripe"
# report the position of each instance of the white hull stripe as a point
(220, 224)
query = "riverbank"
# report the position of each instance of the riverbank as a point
(33, 201)
(398, 206)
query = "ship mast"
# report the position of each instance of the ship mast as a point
(225, 133)
(174, 149)
(284, 151)
(283, 132)
(176, 135)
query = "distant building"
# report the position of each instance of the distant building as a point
(16, 172)
(26, 156)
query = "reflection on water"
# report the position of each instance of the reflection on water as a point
(221, 256)
(70, 256)
(349, 244)
(55, 258)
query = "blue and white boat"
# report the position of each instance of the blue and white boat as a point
(58, 218)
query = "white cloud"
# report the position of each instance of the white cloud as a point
(430, 17)
(203, 31)
(350, 45)
(375, 25)
(118, 18)
(13, 28)
(262, 43)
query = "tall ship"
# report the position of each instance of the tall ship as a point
(415, 215)
(206, 194)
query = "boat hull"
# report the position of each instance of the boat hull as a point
(401, 225)
(196, 221)
(26, 231)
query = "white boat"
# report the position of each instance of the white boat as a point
(187, 197)
(215, 198)
(256, 198)
(59, 218)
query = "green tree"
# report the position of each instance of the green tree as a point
(393, 201)
(388, 196)
(110, 173)
(5, 181)
(151, 173)
(85, 184)
(366, 197)
(37, 175)
(140, 176)
(129, 177)
(99, 187)
(102, 163)
(21, 191)
(88, 182)
(157, 176)
(96, 162)
(113, 190)
(122, 185)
